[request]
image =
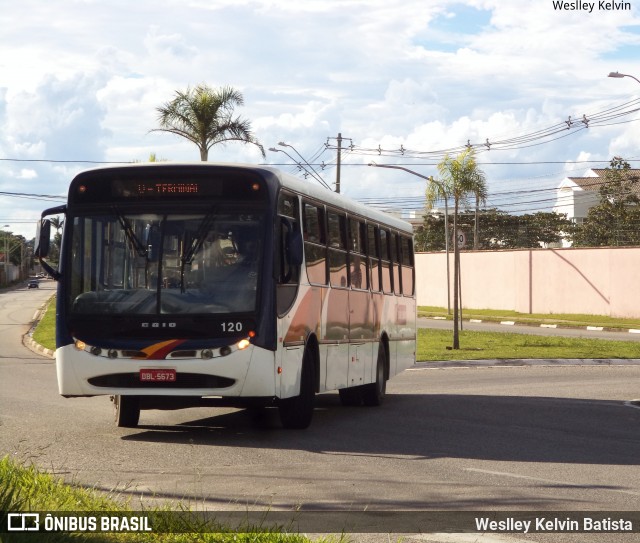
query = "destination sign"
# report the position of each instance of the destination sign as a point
(165, 184)
(149, 188)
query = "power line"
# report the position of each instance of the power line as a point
(30, 196)
(52, 161)
(552, 133)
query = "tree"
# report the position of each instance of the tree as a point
(57, 223)
(496, 230)
(615, 220)
(430, 236)
(528, 231)
(459, 177)
(205, 116)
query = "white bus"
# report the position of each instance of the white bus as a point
(214, 284)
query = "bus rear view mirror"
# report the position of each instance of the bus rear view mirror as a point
(43, 239)
(42, 243)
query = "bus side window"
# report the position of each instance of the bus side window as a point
(287, 207)
(358, 259)
(373, 252)
(395, 263)
(315, 249)
(313, 227)
(407, 266)
(385, 263)
(288, 275)
(337, 250)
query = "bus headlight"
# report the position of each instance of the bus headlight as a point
(243, 344)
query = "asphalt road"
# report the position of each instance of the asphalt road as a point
(480, 438)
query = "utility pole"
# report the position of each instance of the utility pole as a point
(338, 162)
(338, 147)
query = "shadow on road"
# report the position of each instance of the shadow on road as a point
(418, 427)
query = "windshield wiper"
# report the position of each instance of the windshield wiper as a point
(131, 235)
(196, 243)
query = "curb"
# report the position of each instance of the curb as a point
(27, 339)
(525, 362)
(35, 347)
(532, 325)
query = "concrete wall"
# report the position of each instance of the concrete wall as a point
(12, 273)
(603, 281)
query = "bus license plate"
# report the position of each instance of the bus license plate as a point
(158, 376)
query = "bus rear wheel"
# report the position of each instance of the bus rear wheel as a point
(126, 411)
(373, 394)
(296, 412)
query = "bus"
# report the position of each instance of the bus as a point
(216, 284)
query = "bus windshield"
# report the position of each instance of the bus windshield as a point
(173, 263)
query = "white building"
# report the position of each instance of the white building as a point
(576, 195)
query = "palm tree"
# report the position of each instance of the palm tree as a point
(204, 116)
(460, 176)
(57, 223)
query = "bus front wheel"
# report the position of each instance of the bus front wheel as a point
(127, 411)
(296, 412)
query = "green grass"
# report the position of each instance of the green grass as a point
(562, 319)
(29, 489)
(45, 332)
(479, 345)
(432, 346)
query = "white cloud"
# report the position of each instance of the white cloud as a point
(26, 173)
(80, 80)
(164, 45)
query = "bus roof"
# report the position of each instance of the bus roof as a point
(340, 201)
(287, 181)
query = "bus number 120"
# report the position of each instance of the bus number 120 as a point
(231, 327)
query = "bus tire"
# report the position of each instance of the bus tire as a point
(127, 411)
(373, 393)
(296, 412)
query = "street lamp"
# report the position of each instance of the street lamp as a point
(6, 254)
(316, 177)
(618, 75)
(10, 243)
(446, 217)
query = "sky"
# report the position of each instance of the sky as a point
(403, 82)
